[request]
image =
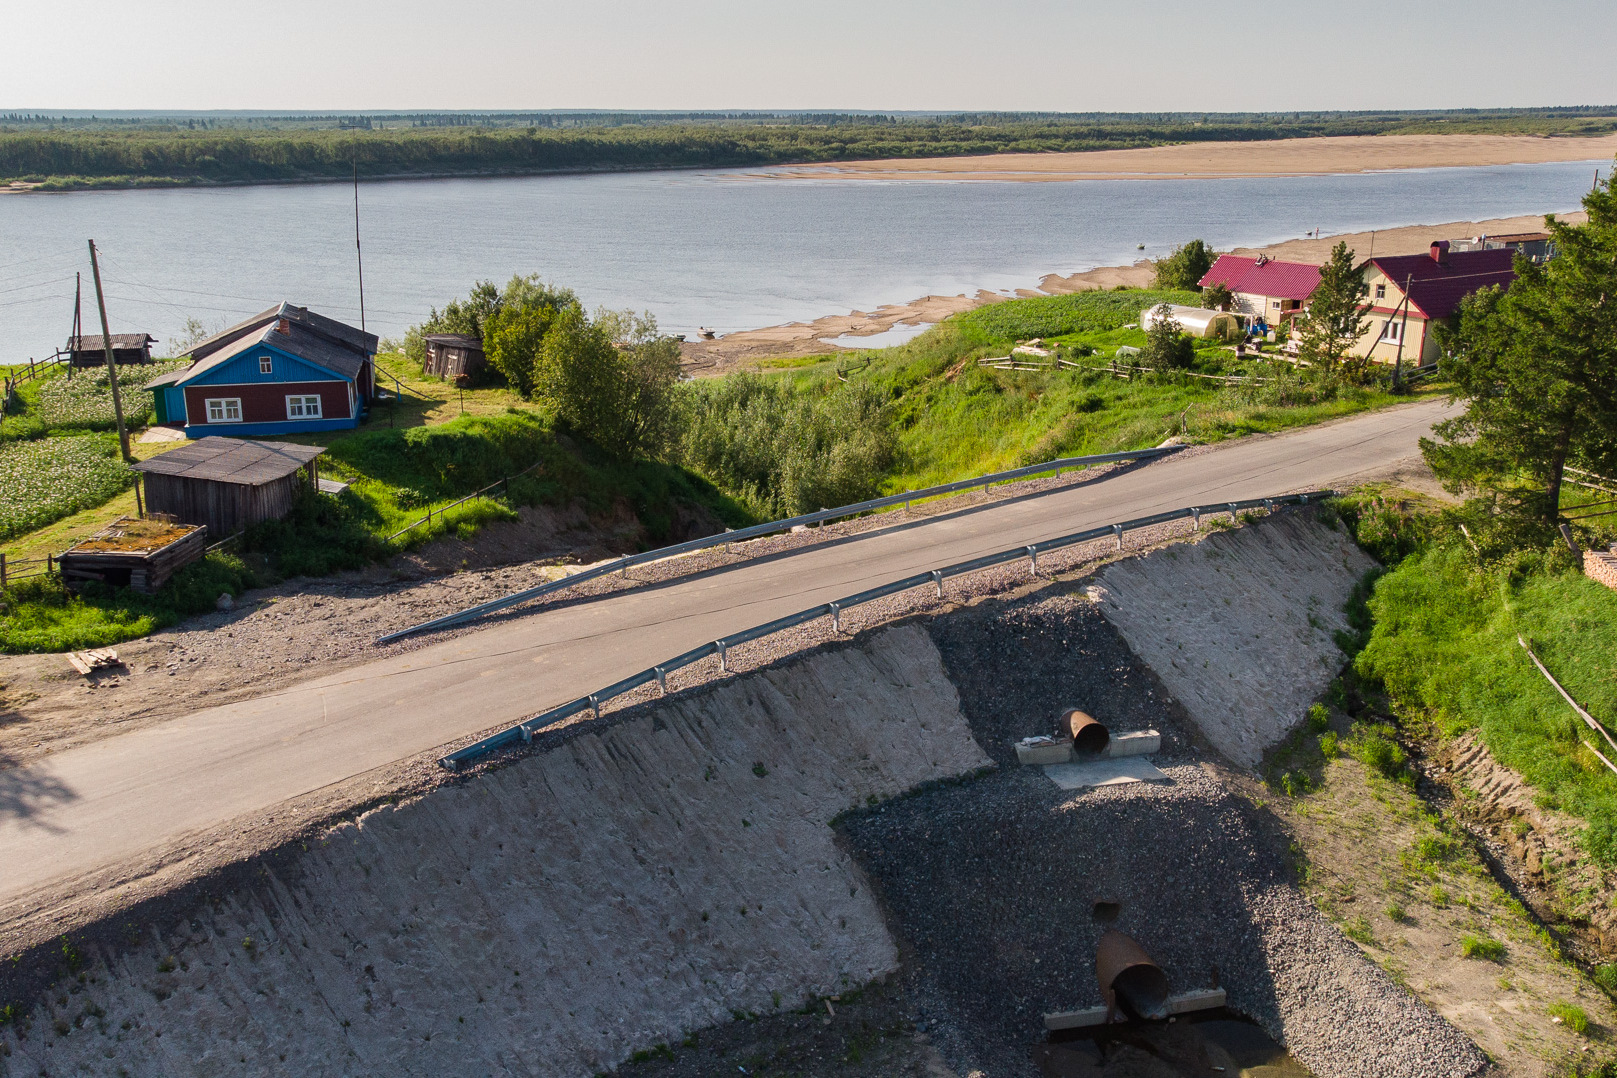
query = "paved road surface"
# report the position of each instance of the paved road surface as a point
(119, 797)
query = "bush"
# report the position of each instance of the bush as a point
(1319, 718)
(1606, 977)
(786, 452)
(1185, 267)
(1167, 348)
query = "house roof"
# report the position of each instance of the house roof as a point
(329, 328)
(458, 339)
(231, 460)
(308, 336)
(167, 378)
(1261, 276)
(93, 343)
(1436, 288)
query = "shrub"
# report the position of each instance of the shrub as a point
(1482, 948)
(1606, 977)
(1319, 718)
(1185, 267)
(1396, 913)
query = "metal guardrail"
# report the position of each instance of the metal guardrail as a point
(757, 530)
(523, 731)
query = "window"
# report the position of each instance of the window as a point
(303, 407)
(266, 365)
(1390, 330)
(1381, 291)
(224, 410)
(1275, 304)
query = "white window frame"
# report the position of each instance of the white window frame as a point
(1392, 330)
(1381, 291)
(266, 365)
(1274, 304)
(220, 409)
(304, 401)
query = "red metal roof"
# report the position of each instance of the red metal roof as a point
(1436, 288)
(1264, 277)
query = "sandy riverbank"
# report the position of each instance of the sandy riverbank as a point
(741, 349)
(1201, 160)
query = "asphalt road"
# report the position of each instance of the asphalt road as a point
(111, 800)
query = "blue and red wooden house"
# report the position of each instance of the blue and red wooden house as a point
(286, 370)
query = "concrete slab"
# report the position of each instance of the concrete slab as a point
(1205, 999)
(1038, 751)
(1104, 773)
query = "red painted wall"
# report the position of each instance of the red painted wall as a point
(266, 401)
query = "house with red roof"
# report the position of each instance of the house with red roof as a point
(1409, 294)
(1265, 289)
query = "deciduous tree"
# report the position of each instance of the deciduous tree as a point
(1185, 267)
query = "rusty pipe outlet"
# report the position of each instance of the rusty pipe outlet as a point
(1129, 981)
(1088, 735)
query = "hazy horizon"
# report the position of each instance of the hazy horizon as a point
(726, 55)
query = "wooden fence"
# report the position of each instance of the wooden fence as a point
(15, 569)
(503, 485)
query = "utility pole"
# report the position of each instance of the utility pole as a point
(359, 257)
(1403, 328)
(106, 342)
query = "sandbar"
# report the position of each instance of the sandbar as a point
(1211, 160)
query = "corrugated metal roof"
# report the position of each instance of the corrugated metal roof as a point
(298, 340)
(89, 343)
(459, 339)
(1436, 288)
(1264, 277)
(231, 460)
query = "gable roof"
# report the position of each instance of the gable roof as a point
(93, 343)
(1263, 276)
(324, 342)
(1436, 288)
(460, 340)
(330, 328)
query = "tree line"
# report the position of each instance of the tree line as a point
(252, 154)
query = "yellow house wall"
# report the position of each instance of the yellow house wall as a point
(1419, 345)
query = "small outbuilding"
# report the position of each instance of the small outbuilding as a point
(91, 351)
(130, 553)
(1197, 321)
(452, 356)
(227, 484)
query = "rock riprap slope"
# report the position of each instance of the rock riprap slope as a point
(552, 916)
(1240, 626)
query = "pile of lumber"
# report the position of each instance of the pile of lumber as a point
(87, 662)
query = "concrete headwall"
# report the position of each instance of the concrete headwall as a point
(1240, 626)
(551, 917)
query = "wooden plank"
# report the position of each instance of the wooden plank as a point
(78, 663)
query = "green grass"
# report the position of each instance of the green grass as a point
(1057, 316)
(84, 401)
(1574, 1018)
(1482, 948)
(1444, 645)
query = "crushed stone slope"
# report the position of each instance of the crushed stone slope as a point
(1241, 626)
(553, 916)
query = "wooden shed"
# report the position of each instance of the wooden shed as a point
(452, 355)
(89, 351)
(228, 484)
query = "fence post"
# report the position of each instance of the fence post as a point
(2, 569)
(50, 563)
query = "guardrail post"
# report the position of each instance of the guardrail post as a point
(595, 705)
(1196, 518)
(1268, 505)
(1117, 533)
(836, 617)
(524, 733)
(937, 578)
(662, 679)
(1234, 516)
(724, 667)
(1033, 560)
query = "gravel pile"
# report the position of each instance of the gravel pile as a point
(992, 883)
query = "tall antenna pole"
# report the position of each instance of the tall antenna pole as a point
(74, 341)
(359, 257)
(106, 342)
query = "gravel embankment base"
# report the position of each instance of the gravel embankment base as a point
(992, 883)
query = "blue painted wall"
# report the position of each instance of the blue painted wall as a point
(243, 370)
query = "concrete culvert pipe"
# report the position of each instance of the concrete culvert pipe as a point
(1088, 735)
(1129, 981)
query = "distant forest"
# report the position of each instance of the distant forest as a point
(81, 150)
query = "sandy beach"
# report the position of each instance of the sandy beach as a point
(1203, 160)
(747, 347)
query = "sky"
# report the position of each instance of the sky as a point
(1056, 55)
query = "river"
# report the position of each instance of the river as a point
(723, 249)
